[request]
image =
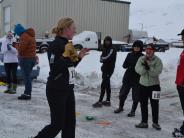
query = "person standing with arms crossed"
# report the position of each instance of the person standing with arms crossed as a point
(149, 67)
(131, 79)
(108, 60)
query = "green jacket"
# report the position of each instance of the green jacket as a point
(149, 77)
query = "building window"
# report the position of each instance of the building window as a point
(7, 16)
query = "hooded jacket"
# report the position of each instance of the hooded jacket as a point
(27, 44)
(108, 57)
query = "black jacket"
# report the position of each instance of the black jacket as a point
(59, 73)
(108, 58)
(130, 75)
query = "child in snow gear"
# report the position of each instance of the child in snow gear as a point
(60, 84)
(131, 78)
(10, 63)
(149, 67)
(108, 58)
(180, 80)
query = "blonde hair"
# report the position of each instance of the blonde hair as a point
(62, 24)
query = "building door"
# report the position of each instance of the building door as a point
(7, 18)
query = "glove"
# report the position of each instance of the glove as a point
(70, 52)
(145, 64)
(9, 46)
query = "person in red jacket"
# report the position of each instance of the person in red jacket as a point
(180, 87)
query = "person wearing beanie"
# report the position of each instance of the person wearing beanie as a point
(149, 67)
(108, 60)
(19, 29)
(10, 62)
(130, 79)
(26, 48)
(179, 132)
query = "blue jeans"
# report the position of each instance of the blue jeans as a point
(26, 65)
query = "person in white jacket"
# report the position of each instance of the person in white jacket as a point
(10, 62)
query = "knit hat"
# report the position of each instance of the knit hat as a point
(19, 29)
(138, 43)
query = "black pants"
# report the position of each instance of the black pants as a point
(105, 87)
(145, 94)
(181, 96)
(124, 91)
(11, 72)
(62, 108)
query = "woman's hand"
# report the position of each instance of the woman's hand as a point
(83, 52)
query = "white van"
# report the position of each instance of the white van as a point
(89, 39)
(86, 39)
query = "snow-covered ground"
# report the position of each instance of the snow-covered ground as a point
(161, 18)
(21, 119)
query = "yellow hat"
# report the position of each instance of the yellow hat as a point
(70, 52)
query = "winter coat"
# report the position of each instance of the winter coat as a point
(130, 75)
(59, 66)
(149, 77)
(108, 58)
(180, 71)
(27, 45)
(9, 52)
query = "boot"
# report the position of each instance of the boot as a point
(142, 125)
(131, 114)
(177, 133)
(24, 97)
(106, 103)
(12, 89)
(8, 89)
(97, 104)
(118, 110)
(156, 126)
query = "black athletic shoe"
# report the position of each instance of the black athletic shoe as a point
(142, 125)
(156, 126)
(177, 133)
(106, 103)
(131, 114)
(97, 104)
(24, 97)
(120, 109)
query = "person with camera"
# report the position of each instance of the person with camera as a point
(10, 62)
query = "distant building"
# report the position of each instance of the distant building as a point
(110, 17)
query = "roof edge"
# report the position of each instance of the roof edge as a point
(117, 1)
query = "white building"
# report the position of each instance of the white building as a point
(110, 17)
